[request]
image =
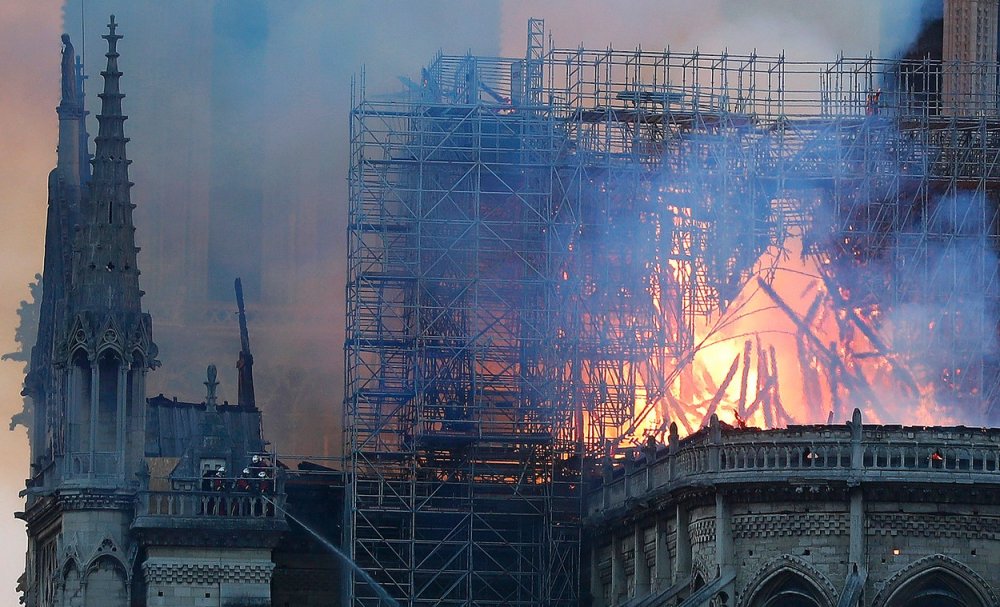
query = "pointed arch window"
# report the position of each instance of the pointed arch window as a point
(788, 588)
(936, 588)
(109, 386)
(80, 390)
(106, 583)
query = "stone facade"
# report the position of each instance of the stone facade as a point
(816, 516)
(969, 76)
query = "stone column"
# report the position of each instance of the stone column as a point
(95, 395)
(683, 560)
(857, 546)
(596, 587)
(121, 434)
(723, 533)
(856, 554)
(617, 572)
(642, 587)
(71, 419)
(662, 566)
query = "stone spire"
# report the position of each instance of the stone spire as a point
(105, 276)
(66, 191)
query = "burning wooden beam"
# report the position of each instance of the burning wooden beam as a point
(741, 405)
(902, 374)
(721, 392)
(859, 382)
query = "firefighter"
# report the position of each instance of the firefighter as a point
(257, 464)
(206, 479)
(219, 483)
(872, 103)
(264, 481)
(243, 482)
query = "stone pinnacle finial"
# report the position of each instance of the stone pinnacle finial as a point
(210, 398)
(112, 37)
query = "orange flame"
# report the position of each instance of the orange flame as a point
(788, 351)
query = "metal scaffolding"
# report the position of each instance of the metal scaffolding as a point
(532, 242)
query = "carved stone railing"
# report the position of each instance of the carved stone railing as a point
(210, 503)
(242, 498)
(850, 453)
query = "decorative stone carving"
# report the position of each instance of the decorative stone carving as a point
(927, 525)
(703, 532)
(796, 525)
(163, 573)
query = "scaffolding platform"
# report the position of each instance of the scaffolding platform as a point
(533, 241)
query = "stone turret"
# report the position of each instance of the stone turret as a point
(106, 347)
(67, 188)
(969, 85)
(117, 511)
(87, 377)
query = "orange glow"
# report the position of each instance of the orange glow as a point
(755, 362)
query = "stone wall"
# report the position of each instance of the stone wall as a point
(839, 515)
(207, 577)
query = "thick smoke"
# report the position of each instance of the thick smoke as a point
(239, 129)
(805, 30)
(947, 328)
(240, 147)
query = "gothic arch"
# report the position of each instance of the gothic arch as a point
(109, 377)
(788, 580)
(79, 338)
(78, 393)
(108, 548)
(111, 338)
(936, 580)
(70, 584)
(106, 581)
(138, 359)
(700, 575)
(80, 353)
(69, 565)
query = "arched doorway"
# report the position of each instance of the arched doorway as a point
(788, 588)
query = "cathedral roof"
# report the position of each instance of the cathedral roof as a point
(196, 430)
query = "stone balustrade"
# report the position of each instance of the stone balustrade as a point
(847, 452)
(240, 498)
(210, 503)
